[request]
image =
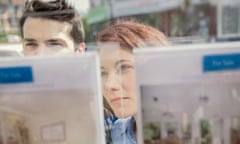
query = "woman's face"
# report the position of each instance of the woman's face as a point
(118, 81)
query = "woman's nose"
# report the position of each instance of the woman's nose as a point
(113, 82)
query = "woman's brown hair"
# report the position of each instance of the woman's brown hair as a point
(130, 34)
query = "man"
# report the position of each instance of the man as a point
(52, 27)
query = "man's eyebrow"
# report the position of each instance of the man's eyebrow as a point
(57, 40)
(29, 39)
(121, 61)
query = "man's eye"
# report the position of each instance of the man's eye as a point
(55, 44)
(31, 44)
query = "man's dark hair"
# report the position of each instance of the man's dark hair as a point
(57, 10)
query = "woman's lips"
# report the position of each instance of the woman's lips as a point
(118, 99)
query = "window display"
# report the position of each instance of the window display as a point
(229, 19)
(10, 15)
(190, 94)
(235, 130)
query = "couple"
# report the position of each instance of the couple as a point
(54, 28)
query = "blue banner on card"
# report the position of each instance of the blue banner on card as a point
(9, 75)
(224, 62)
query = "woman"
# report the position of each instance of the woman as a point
(118, 72)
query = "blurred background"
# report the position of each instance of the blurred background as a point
(183, 21)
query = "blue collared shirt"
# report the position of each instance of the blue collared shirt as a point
(123, 131)
(109, 120)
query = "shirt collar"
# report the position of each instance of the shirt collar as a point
(124, 125)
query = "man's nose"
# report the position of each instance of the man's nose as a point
(43, 50)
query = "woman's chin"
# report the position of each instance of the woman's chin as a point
(122, 115)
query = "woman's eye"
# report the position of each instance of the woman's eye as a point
(104, 74)
(124, 68)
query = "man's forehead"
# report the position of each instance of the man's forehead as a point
(45, 23)
(40, 28)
